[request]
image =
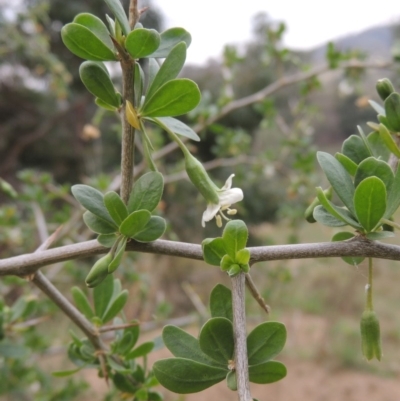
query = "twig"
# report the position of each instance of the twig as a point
(196, 301)
(255, 293)
(105, 329)
(24, 265)
(240, 335)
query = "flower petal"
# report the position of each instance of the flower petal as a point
(228, 183)
(230, 196)
(209, 213)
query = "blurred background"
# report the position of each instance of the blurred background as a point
(53, 136)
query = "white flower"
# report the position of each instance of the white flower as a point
(227, 196)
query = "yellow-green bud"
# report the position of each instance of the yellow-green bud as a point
(99, 271)
(370, 335)
(384, 88)
(200, 179)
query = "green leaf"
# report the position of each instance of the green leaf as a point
(119, 253)
(153, 230)
(216, 339)
(125, 344)
(92, 200)
(235, 237)
(265, 342)
(98, 225)
(347, 163)
(370, 202)
(378, 235)
(393, 196)
(105, 105)
(373, 167)
(82, 42)
(123, 383)
(324, 217)
(102, 295)
(169, 39)
(82, 302)
(168, 71)
(184, 376)
(221, 302)
(339, 178)
(213, 251)
(139, 82)
(233, 270)
(118, 367)
(378, 145)
(339, 213)
(184, 345)
(97, 26)
(226, 263)
(392, 109)
(97, 81)
(116, 7)
(115, 306)
(141, 350)
(176, 126)
(354, 148)
(142, 42)
(388, 140)
(174, 98)
(231, 381)
(147, 192)
(242, 257)
(107, 240)
(377, 107)
(343, 236)
(115, 207)
(135, 223)
(268, 372)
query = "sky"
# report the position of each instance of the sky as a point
(214, 23)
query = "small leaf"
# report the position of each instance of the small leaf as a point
(105, 105)
(267, 372)
(347, 163)
(92, 200)
(176, 126)
(213, 251)
(141, 350)
(377, 107)
(231, 381)
(265, 342)
(118, 367)
(125, 344)
(102, 295)
(216, 339)
(176, 97)
(169, 39)
(139, 84)
(378, 145)
(107, 240)
(324, 217)
(65, 373)
(388, 140)
(338, 177)
(142, 42)
(115, 207)
(184, 376)
(152, 231)
(82, 302)
(184, 345)
(234, 270)
(82, 42)
(343, 236)
(98, 225)
(119, 253)
(392, 109)
(242, 257)
(378, 235)
(135, 223)
(116, 7)
(235, 237)
(147, 192)
(370, 202)
(221, 302)
(226, 263)
(354, 148)
(373, 167)
(123, 383)
(97, 81)
(393, 196)
(115, 306)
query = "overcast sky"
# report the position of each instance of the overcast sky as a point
(213, 23)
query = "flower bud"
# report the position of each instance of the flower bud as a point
(384, 88)
(99, 271)
(200, 179)
(370, 335)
